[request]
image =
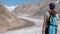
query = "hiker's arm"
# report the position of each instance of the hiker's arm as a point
(44, 22)
(57, 21)
(57, 26)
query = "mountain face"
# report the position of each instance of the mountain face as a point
(28, 9)
(9, 21)
(34, 9)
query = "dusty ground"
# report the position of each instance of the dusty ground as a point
(36, 29)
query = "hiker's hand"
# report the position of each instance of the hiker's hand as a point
(42, 31)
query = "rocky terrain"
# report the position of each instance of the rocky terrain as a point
(8, 21)
(34, 9)
(36, 29)
(10, 24)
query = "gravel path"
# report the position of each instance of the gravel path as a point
(29, 30)
(36, 29)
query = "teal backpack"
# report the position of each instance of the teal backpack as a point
(52, 23)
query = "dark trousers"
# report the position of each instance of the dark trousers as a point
(46, 31)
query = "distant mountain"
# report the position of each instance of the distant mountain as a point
(9, 21)
(34, 9)
(27, 9)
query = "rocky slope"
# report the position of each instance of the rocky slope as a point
(33, 9)
(8, 21)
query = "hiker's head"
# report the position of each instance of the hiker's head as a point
(52, 6)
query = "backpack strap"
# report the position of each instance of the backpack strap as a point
(53, 25)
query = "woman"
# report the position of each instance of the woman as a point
(48, 23)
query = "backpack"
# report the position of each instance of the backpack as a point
(52, 19)
(52, 23)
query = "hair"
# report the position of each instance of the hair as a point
(53, 13)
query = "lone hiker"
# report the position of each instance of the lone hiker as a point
(50, 20)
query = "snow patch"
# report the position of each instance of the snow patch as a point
(10, 8)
